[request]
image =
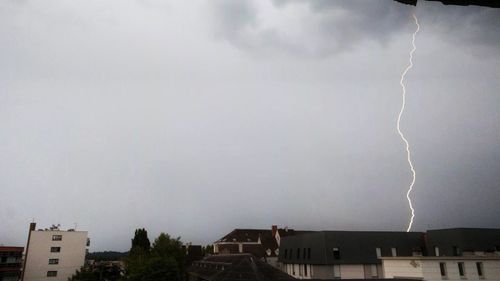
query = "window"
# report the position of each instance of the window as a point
(456, 251)
(56, 237)
(461, 269)
(480, 271)
(286, 253)
(305, 269)
(442, 268)
(436, 251)
(298, 253)
(379, 252)
(51, 273)
(53, 261)
(336, 253)
(308, 253)
(304, 253)
(336, 271)
(374, 270)
(394, 252)
(291, 254)
(55, 249)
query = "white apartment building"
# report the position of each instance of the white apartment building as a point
(456, 268)
(54, 254)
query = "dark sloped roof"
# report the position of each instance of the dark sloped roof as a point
(245, 235)
(237, 267)
(466, 239)
(355, 247)
(267, 241)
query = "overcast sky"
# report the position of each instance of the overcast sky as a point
(197, 117)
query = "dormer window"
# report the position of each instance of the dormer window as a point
(336, 253)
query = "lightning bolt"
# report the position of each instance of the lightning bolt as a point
(401, 82)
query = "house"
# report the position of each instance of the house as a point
(234, 267)
(54, 253)
(345, 254)
(262, 243)
(10, 263)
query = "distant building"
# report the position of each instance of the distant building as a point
(10, 263)
(462, 268)
(345, 254)
(262, 243)
(234, 267)
(54, 254)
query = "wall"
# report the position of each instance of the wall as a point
(429, 269)
(71, 257)
(316, 271)
(355, 271)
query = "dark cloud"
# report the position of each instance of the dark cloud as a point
(329, 27)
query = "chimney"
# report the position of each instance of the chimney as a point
(274, 229)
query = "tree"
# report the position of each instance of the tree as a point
(141, 241)
(208, 250)
(164, 261)
(103, 271)
(165, 246)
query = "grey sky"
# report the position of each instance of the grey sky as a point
(197, 118)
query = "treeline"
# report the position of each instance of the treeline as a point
(106, 256)
(163, 260)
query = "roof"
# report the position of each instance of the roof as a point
(245, 235)
(354, 247)
(265, 236)
(236, 267)
(11, 249)
(466, 239)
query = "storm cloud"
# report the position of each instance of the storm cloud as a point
(197, 117)
(322, 28)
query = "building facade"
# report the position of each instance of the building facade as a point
(471, 268)
(54, 254)
(10, 263)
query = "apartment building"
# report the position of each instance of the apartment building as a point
(10, 263)
(455, 268)
(443, 254)
(54, 254)
(453, 254)
(345, 254)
